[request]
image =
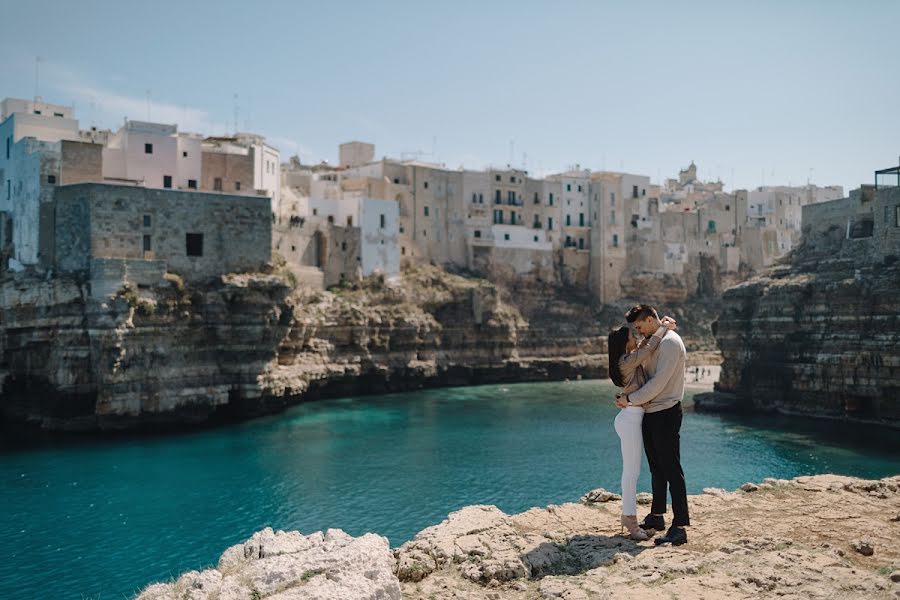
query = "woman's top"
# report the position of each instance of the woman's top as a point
(631, 363)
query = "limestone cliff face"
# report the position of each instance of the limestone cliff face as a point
(251, 345)
(820, 334)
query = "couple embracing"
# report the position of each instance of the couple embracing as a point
(646, 359)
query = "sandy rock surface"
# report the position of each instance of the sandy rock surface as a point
(812, 537)
(820, 537)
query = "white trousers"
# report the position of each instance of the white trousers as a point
(628, 426)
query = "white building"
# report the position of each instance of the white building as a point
(153, 155)
(29, 169)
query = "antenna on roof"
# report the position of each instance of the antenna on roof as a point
(37, 65)
(236, 111)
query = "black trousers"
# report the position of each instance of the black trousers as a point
(662, 443)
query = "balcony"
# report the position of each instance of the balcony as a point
(512, 202)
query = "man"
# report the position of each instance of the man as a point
(661, 398)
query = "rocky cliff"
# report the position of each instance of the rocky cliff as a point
(811, 537)
(253, 344)
(820, 334)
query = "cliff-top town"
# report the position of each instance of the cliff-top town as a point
(129, 205)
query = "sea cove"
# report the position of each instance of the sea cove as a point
(102, 518)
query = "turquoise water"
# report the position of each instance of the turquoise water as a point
(102, 518)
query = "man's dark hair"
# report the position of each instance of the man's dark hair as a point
(639, 312)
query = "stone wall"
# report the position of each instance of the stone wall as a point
(230, 168)
(81, 162)
(114, 220)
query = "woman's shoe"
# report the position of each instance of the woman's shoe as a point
(630, 523)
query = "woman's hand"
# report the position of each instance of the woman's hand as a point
(669, 323)
(621, 402)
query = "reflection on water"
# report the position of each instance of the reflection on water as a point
(101, 518)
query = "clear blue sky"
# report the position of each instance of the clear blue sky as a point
(769, 91)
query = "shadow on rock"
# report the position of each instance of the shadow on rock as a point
(579, 554)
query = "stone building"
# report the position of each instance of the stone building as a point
(242, 164)
(197, 235)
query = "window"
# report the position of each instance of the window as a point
(331, 219)
(512, 217)
(217, 184)
(349, 220)
(8, 146)
(237, 186)
(511, 197)
(727, 207)
(403, 250)
(426, 211)
(612, 217)
(615, 240)
(634, 190)
(480, 198)
(643, 192)
(537, 199)
(568, 241)
(51, 179)
(579, 188)
(192, 184)
(184, 154)
(535, 238)
(551, 199)
(60, 115)
(581, 243)
(477, 233)
(897, 216)
(396, 180)
(612, 198)
(474, 197)
(167, 181)
(147, 220)
(148, 148)
(382, 221)
(344, 246)
(315, 211)
(147, 245)
(497, 197)
(550, 223)
(426, 185)
(568, 187)
(194, 244)
(568, 220)
(581, 219)
(506, 236)
(498, 216)
(37, 112)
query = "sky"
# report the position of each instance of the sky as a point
(755, 93)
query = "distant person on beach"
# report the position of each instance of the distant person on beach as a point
(626, 359)
(661, 397)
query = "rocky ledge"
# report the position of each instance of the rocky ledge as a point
(824, 536)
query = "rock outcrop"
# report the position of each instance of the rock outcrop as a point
(822, 537)
(286, 565)
(820, 334)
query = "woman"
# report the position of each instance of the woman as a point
(626, 360)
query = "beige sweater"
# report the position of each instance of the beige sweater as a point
(631, 363)
(664, 387)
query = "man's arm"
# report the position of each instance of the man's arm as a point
(667, 364)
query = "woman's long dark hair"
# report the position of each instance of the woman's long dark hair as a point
(615, 343)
